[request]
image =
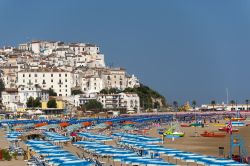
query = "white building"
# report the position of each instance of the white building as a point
(131, 101)
(127, 101)
(133, 82)
(32, 91)
(83, 98)
(115, 78)
(225, 107)
(10, 98)
(57, 79)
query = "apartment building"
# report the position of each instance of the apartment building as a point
(57, 79)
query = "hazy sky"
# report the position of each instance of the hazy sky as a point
(184, 49)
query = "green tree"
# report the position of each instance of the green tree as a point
(37, 102)
(52, 92)
(2, 87)
(146, 95)
(194, 104)
(110, 91)
(232, 102)
(247, 102)
(76, 92)
(213, 103)
(52, 103)
(93, 105)
(157, 105)
(32, 103)
(175, 104)
(104, 91)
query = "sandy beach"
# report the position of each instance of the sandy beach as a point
(189, 143)
(204, 145)
(4, 144)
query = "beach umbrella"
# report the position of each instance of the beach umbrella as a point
(64, 124)
(101, 126)
(41, 124)
(108, 123)
(76, 163)
(38, 112)
(128, 123)
(128, 127)
(86, 124)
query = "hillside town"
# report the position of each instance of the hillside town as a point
(74, 72)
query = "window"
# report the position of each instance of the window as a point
(35, 75)
(66, 90)
(66, 80)
(23, 75)
(65, 75)
(44, 82)
(51, 86)
(60, 90)
(29, 75)
(60, 86)
(23, 81)
(51, 75)
(66, 86)
(51, 80)
(60, 94)
(43, 75)
(59, 75)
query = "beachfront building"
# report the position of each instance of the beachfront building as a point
(57, 79)
(120, 101)
(224, 107)
(10, 99)
(82, 99)
(130, 101)
(126, 101)
(35, 91)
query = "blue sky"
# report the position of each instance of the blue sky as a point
(184, 49)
